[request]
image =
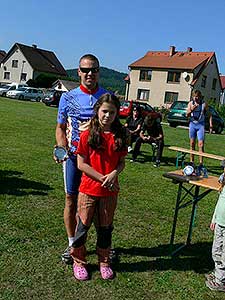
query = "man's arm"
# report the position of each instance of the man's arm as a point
(60, 135)
(210, 117)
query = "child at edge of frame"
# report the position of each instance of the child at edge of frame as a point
(216, 279)
(101, 158)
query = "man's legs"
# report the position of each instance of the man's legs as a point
(137, 148)
(70, 215)
(72, 178)
(201, 137)
(192, 147)
(160, 146)
(192, 136)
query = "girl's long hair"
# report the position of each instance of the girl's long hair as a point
(96, 140)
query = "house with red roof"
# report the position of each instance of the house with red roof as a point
(24, 62)
(162, 77)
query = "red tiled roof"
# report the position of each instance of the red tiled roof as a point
(179, 60)
(222, 79)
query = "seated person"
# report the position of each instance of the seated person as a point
(151, 133)
(133, 124)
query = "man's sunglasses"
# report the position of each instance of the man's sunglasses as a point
(87, 70)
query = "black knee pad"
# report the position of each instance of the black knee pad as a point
(81, 234)
(104, 234)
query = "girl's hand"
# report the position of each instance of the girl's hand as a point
(212, 226)
(114, 187)
(109, 179)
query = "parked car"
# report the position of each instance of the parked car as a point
(52, 97)
(127, 106)
(16, 93)
(177, 116)
(29, 93)
(10, 87)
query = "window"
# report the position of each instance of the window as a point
(14, 63)
(170, 97)
(145, 75)
(214, 83)
(203, 84)
(143, 94)
(23, 76)
(173, 76)
(6, 75)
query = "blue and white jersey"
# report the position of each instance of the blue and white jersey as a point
(198, 115)
(75, 107)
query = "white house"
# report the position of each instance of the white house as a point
(161, 77)
(24, 62)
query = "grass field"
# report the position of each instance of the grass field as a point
(32, 234)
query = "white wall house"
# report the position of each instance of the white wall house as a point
(24, 62)
(161, 77)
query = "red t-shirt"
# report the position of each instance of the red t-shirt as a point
(104, 161)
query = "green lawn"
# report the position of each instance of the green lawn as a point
(32, 234)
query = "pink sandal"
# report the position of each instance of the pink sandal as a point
(106, 272)
(80, 272)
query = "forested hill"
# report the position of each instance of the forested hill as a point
(109, 79)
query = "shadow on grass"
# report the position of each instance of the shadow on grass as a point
(196, 257)
(146, 157)
(12, 184)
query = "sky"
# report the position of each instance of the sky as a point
(118, 32)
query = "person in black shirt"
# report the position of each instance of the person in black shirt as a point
(151, 133)
(133, 124)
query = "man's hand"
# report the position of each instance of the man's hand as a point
(194, 106)
(59, 154)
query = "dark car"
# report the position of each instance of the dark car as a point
(52, 97)
(177, 116)
(126, 108)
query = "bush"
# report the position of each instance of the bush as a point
(220, 108)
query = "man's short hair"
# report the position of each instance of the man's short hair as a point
(197, 93)
(90, 57)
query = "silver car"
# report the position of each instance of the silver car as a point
(10, 87)
(17, 93)
(32, 94)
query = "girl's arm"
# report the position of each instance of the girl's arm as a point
(110, 178)
(87, 169)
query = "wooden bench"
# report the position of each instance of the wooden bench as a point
(182, 152)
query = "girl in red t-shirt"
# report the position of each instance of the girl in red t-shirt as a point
(101, 157)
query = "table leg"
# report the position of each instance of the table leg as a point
(193, 214)
(176, 213)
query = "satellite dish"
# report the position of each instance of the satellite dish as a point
(185, 75)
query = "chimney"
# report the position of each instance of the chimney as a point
(172, 50)
(34, 46)
(189, 49)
